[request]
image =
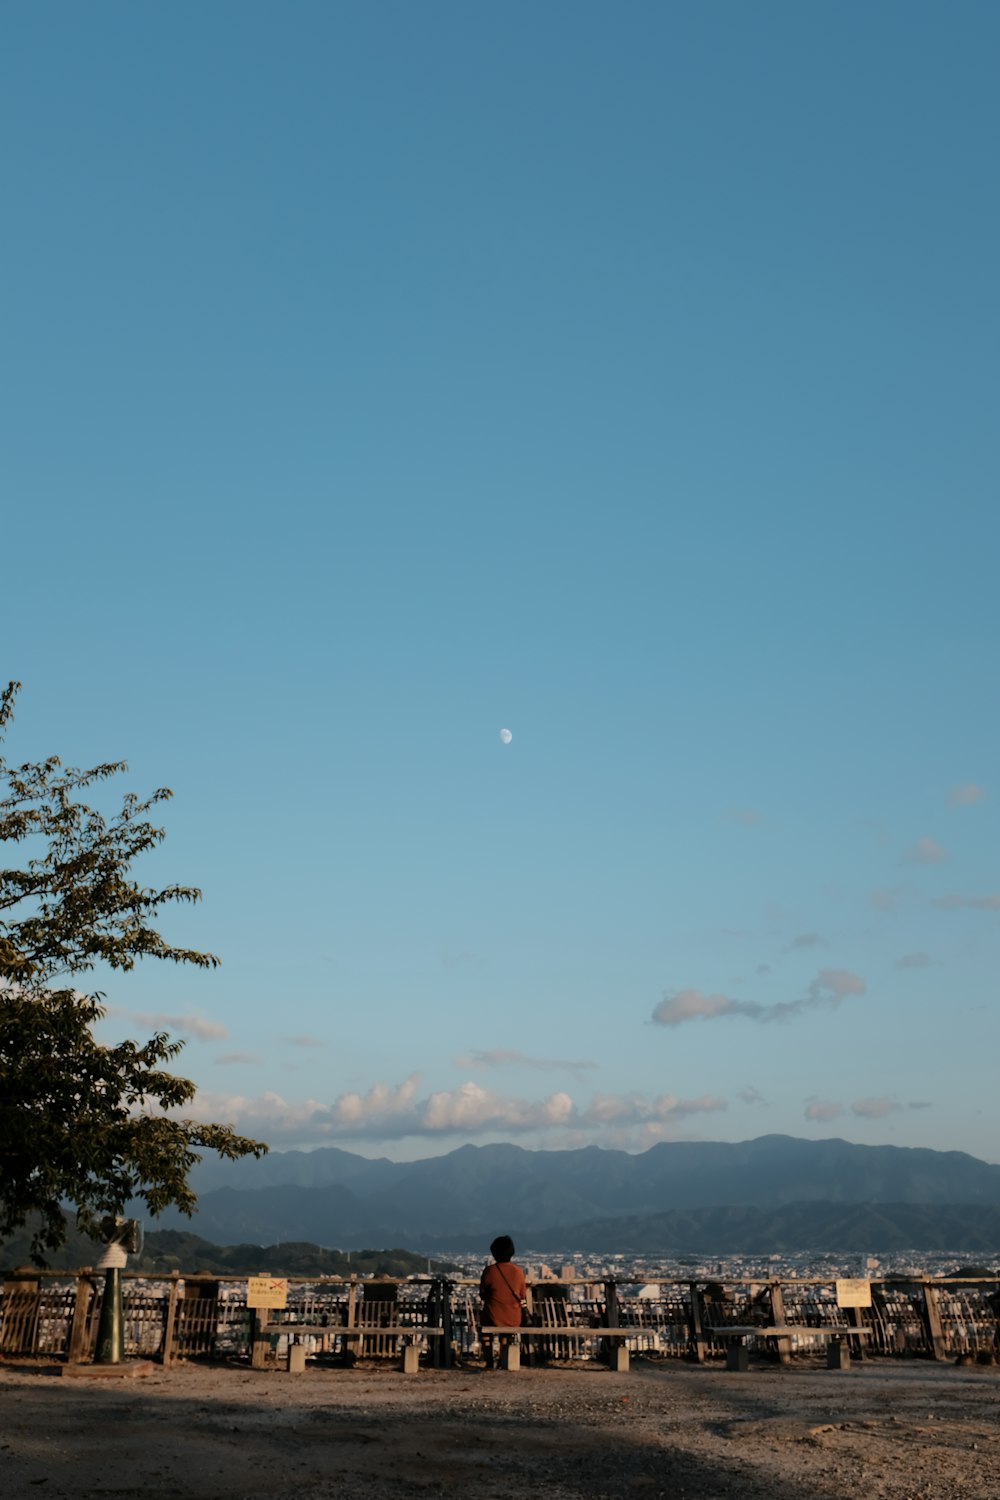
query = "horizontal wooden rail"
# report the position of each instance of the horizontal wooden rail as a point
(787, 1330)
(531, 1331)
(352, 1330)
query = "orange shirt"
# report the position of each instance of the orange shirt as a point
(502, 1288)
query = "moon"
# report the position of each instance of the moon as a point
(506, 736)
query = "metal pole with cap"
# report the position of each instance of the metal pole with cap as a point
(122, 1236)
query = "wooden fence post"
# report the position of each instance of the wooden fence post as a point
(352, 1347)
(784, 1345)
(171, 1322)
(612, 1319)
(932, 1315)
(854, 1317)
(439, 1313)
(697, 1334)
(78, 1339)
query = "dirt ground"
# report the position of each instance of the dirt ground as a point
(878, 1431)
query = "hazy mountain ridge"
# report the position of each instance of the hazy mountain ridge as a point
(332, 1197)
(169, 1250)
(819, 1227)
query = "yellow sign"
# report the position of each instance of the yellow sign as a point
(267, 1291)
(854, 1291)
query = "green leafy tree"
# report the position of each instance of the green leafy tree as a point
(81, 1123)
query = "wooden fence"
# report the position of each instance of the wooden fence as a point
(178, 1317)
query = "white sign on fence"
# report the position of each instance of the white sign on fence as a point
(267, 1291)
(854, 1291)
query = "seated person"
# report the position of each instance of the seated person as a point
(503, 1291)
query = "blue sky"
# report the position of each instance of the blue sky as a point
(377, 376)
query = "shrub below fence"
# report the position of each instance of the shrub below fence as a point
(56, 1315)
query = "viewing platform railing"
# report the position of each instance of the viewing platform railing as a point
(178, 1317)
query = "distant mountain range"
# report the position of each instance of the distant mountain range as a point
(823, 1228)
(594, 1199)
(174, 1250)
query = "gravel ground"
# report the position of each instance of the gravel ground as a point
(884, 1431)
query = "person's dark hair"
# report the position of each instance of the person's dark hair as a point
(502, 1247)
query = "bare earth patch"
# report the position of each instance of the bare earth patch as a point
(878, 1431)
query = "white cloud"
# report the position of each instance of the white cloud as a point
(834, 985)
(472, 1110)
(955, 902)
(691, 1005)
(926, 852)
(303, 1041)
(227, 1059)
(919, 1104)
(875, 1109)
(808, 940)
(633, 1109)
(506, 1057)
(383, 1107)
(822, 1109)
(267, 1116)
(386, 1112)
(394, 1112)
(196, 1026)
(967, 795)
(828, 989)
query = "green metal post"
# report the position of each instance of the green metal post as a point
(111, 1328)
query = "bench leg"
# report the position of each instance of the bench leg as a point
(838, 1355)
(296, 1359)
(510, 1356)
(411, 1359)
(620, 1358)
(738, 1357)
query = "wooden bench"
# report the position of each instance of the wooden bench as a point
(410, 1335)
(510, 1352)
(834, 1333)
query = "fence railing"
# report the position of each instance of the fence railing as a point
(56, 1314)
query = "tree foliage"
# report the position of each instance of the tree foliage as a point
(82, 1123)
